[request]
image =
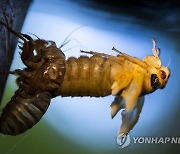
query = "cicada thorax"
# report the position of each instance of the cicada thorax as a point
(48, 77)
(86, 76)
(23, 112)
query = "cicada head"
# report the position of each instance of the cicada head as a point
(159, 75)
(47, 49)
(41, 45)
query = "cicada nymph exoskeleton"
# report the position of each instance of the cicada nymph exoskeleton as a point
(49, 74)
(44, 72)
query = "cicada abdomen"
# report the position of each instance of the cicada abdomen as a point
(86, 76)
(23, 112)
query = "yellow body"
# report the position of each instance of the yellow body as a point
(126, 77)
(100, 76)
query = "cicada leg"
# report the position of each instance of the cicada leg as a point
(96, 53)
(27, 55)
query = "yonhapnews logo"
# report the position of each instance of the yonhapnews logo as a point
(124, 139)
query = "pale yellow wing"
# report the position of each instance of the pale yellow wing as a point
(133, 91)
(117, 105)
(129, 119)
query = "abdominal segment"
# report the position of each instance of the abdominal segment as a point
(86, 77)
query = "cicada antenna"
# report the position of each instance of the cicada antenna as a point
(34, 35)
(169, 62)
(80, 45)
(66, 40)
(74, 47)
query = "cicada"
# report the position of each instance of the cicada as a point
(49, 74)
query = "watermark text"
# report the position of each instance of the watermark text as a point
(156, 140)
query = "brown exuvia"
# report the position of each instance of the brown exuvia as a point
(49, 74)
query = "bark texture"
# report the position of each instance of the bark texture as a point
(13, 13)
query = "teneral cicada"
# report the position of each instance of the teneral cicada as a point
(49, 74)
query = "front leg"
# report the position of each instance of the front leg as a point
(28, 57)
(27, 47)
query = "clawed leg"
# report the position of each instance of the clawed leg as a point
(96, 53)
(27, 47)
(24, 76)
(20, 72)
(13, 32)
(25, 73)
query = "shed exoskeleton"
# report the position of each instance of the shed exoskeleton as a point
(38, 81)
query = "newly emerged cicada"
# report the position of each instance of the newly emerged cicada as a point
(49, 74)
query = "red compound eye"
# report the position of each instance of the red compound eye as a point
(163, 74)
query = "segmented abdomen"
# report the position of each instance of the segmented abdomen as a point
(23, 112)
(86, 77)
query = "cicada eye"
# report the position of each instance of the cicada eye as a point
(162, 74)
(154, 82)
